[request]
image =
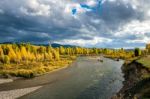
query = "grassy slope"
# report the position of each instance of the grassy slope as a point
(137, 75)
(145, 61)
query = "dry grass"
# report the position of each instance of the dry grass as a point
(32, 69)
(145, 61)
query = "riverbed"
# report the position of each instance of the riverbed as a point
(87, 78)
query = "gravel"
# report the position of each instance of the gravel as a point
(5, 81)
(13, 94)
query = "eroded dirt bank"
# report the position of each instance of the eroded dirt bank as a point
(137, 82)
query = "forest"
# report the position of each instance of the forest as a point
(27, 60)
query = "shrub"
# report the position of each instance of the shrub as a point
(25, 73)
(6, 59)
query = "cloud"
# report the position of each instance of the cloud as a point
(86, 43)
(116, 23)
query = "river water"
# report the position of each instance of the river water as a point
(87, 78)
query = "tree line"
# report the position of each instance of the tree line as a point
(16, 53)
(25, 52)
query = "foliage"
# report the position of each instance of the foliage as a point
(145, 61)
(28, 60)
(137, 52)
(6, 59)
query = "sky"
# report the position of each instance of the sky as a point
(88, 23)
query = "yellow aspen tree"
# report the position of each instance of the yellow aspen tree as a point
(18, 54)
(32, 56)
(6, 59)
(23, 53)
(38, 57)
(42, 58)
(45, 56)
(62, 50)
(29, 55)
(1, 54)
(12, 54)
(56, 55)
(50, 56)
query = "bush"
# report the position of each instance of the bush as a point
(6, 59)
(24, 73)
(40, 70)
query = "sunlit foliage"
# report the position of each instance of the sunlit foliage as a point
(27, 60)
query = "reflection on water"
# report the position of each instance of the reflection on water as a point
(86, 79)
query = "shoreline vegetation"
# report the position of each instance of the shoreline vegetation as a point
(137, 77)
(137, 80)
(27, 61)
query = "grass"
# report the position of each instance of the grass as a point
(35, 68)
(145, 61)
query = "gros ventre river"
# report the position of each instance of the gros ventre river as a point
(87, 78)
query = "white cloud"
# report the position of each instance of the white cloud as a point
(91, 2)
(35, 8)
(69, 7)
(143, 40)
(122, 20)
(85, 43)
(135, 27)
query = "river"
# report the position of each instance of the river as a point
(87, 78)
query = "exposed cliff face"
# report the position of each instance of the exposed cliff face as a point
(137, 82)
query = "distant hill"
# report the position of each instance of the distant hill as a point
(56, 45)
(53, 44)
(6, 43)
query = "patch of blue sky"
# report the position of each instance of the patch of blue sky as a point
(100, 2)
(85, 6)
(89, 8)
(74, 11)
(99, 5)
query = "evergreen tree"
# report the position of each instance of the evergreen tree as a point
(137, 52)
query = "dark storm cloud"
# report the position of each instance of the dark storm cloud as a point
(44, 20)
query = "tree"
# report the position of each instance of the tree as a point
(50, 56)
(56, 55)
(18, 54)
(42, 49)
(148, 48)
(31, 56)
(137, 52)
(5, 50)
(95, 51)
(62, 50)
(6, 59)
(12, 54)
(1, 54)
(24, 53)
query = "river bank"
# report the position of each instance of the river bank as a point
(137, 81)
(99, 80)
(15, 87)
